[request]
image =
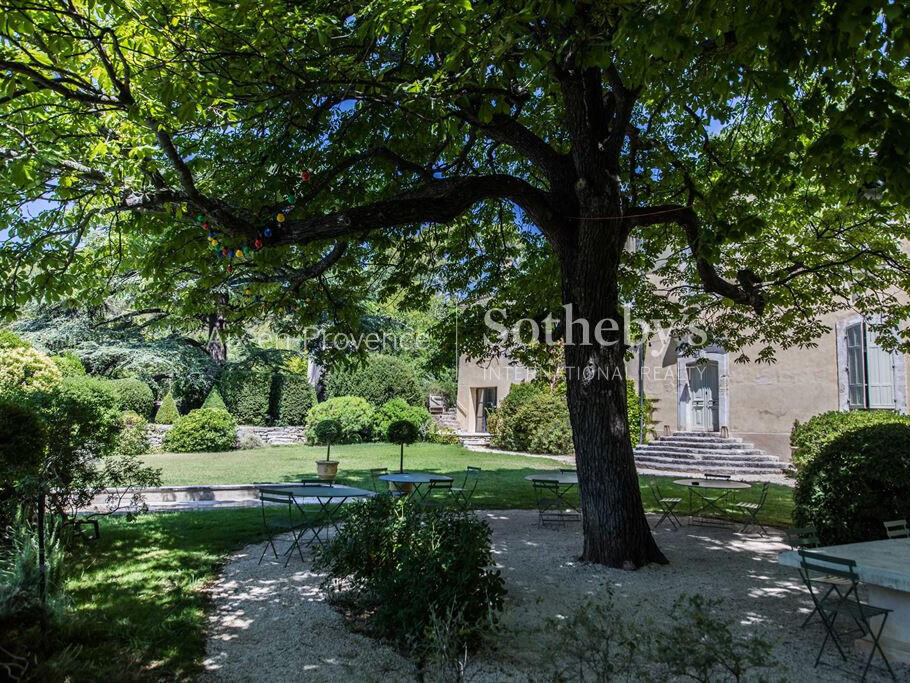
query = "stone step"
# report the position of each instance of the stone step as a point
(705, 435)
(689, 438)
(659, 446)
(707, 461)
(672, 465)
(720, 445)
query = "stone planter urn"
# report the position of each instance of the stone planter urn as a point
(327, 470)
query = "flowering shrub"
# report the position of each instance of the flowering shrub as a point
(25, 370)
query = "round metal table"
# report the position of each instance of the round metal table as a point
(724, 486)
(556, 507)
(412, 480)
(562, 478)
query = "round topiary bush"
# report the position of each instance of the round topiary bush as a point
(402, 432)
(379, 380)
(807, 438)
(855, 482)
(167, 412)
(201, 430)
(133, 438)
(328, 431)
(399, 409)
(134, 395)
(353, 412)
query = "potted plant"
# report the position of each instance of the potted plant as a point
(402, 432)
(328, 431)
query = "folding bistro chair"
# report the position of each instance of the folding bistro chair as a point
(751, 511)
(551, 504)
(431, 499)
(284, 516)
(897, 529)
(803, 538)
(830, 607)
(464, 495)
(667, 506)
(807, 537)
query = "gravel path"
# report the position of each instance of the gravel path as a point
(271, 623)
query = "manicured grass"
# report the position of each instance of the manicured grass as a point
(138, 609)
(502, 486)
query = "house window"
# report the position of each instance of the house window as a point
(870, 371)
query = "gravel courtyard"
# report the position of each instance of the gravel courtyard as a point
(271, 622)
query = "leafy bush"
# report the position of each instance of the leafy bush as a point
(214, 401)
(69, 364)
(11, 340)
(402, 432)
(328, 432)
(353, 412)
(295, 397)
(245, 389)
(135, 395)
(201, 430)
(855, 482)
(398, 409)
(808, 438)
(22, 440)
(389, 549)
(442, 435)
(379, 380)
(133, 438)
(167, 412)
(247, 440)
(25, 370)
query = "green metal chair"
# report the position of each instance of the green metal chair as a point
(897, 529)
(280, 515)
(750, 510)
(463, 495)
(667, 506)
(807, 538)
(552, 506)
(813, 565)
(437, 494)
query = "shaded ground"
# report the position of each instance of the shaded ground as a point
(271, 623)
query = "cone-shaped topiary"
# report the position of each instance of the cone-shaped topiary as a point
(167, 413)
(214, 401)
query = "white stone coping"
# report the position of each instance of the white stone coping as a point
(883, 563)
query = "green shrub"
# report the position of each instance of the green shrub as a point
(167, 412)
(201, 430)
(442, 435)
(807, 438)
(245, 389)
(399, 409)
(11, 340)
(295, 397)
(22, 440)
(69, 364)
(82, 415)
(25, 370)
(328, 432)
(379, 380)
(353, 412)
(134, 395)
(855, 482)
(214, 401)
(133, 438)
(389, 549)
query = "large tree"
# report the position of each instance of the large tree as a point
(754, 150)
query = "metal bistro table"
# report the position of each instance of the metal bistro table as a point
(723, 487)
(329, 497)
(413, 479)
(565, 481)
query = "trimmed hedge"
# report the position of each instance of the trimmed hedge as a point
(201, 430)
(854, 483)
(294, 396)
(398, 409)
(134, 395)
(379, 380)
(214, 401)
(167, 413)
(809, 437)
(246, 390)
(353, 412)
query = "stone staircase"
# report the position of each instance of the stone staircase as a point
(699, 452)
(446, 419)
(471, 441)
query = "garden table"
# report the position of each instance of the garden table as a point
(566, 481)
(329, 497)
(413, 479)
(884, 569)
(722, 487)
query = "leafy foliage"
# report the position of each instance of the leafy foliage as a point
(854, 482)
(133, 438)
(353, 412)
(402, 432)
(295, 397)
(214, 401)
(246, 390)
(808, 438)
(379, 380)
(69, 364)
(201, 430)
(25, 370)
(22, 440)
(167, 412)
(134, 395)
(398, 409)
(328, 431)
(388, 549)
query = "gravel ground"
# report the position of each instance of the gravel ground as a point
(272, 623)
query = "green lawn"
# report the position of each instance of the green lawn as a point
(138, 608)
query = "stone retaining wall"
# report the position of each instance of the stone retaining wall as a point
(270, 436)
